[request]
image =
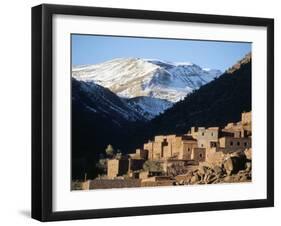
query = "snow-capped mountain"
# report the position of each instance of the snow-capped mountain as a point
(155, 84)
(134, 77)
(214, 104)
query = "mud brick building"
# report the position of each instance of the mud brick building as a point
(117, 167)
(206, 137)
(200, 144)
(232, 138)
(171, 147)
(120, 167)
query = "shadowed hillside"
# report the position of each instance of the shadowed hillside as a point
(214, 104)
(99, 118)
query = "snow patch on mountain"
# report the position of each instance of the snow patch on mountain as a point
(149, 107)
(133, 77)
(157, 83)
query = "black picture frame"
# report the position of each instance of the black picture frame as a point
(42, 111)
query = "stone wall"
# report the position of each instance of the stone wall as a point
(214, 156)
(171, 146)
(104, 183)
(235, 144)
(143, 154)
(85, 185)
(176, 147)
(117, 167)
(167, 151)
(143, 174)
(199, 154)
(157, 150)
(205, 136)
(159, 138)
(247, 118)
(187, 148)
(170, 137)
(149, 148)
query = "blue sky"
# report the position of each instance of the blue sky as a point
(92, 49)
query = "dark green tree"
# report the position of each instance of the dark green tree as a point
(109, 151)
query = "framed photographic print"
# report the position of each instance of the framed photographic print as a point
(145, 112)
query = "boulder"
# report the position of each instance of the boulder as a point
(202, 169)
(218, 170)
(248, 153)
(243, 178)
(227, 179)
(211, 178)
(248, 166)
(238, 154)
(235, 163)
(194, 179)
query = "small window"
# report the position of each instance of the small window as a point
(213, 144)
(202, 145)
(238, 143)
(245, 144)
(212, 134)
(188, 149)
(202, 134)
(231, 143)
(200, 155)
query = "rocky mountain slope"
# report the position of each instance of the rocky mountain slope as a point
(214, 104)
(148, 107)
(99, 100)
(154, 82)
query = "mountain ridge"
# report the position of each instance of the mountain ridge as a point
(133, 77)
(149, 85)
(214, 104)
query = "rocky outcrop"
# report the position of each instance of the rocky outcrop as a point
(234, 163)
(237, 66)
(236, 168)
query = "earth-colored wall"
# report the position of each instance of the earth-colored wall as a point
(117, 167)
(199, 154)
(246, 118)
(214, 156)
(205, 136)
(232, 143)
